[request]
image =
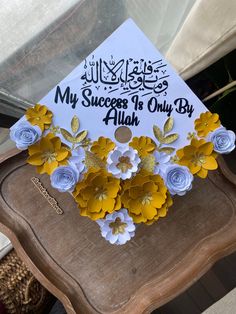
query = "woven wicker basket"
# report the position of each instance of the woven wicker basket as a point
(20, 292)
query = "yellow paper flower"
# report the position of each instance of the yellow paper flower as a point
(102, 147)
(97, 194)
(39, 115)
(199, 157)
(146, 197)
(143, 144)
(206, 123)
(48, 154)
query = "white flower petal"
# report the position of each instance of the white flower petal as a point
(113, 169)
(123, 238)
(112, 238)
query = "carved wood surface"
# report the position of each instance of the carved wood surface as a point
(69, 257)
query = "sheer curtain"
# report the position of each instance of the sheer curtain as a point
(42, 41)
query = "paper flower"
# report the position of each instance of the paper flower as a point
(178, 179)
(48, 154)
(223, 140)
(78, 159)
(97, 194)
(118, 227)
(24, 134)
(143, 196)
(64, 178)
(161, 161)
(206, 123)
(198, 157)
(144, 145)
(39, 115)
(102, 147)
(123, 162)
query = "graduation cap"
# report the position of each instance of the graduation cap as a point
(122, 132)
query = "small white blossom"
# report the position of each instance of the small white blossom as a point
(178, 179)
(223, 140)
(118, 227)
(123, 162)
(25, 134)
(161, 161)
(64, 178)
(77, 159)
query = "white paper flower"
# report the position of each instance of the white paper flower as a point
(64, 178)
(118, 227)
(178, 179)
(161, 161)
(123, 162)
(77, 159)
(223, 140)
(25, 134)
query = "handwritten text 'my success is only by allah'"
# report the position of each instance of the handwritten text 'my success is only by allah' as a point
(117, 107)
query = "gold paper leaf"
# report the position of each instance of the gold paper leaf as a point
(158, 134)
(81, 136)
(148, 163)
(75, 124)
(166, 150)
(170, 138)
(169, 125)
(92, 161)
(69, 137)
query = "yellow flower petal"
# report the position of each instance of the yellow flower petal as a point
(206, 148)
(94, 205)
(149, 211)
(158, 199)
(35, 159)
(108, 204)
(49, 167)
(62, 154)
(202, 173)
(210, 163)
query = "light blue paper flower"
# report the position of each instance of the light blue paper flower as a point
(178, 179)
(25, 134)
(223, 140)
(64, 178)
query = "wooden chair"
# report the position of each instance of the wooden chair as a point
(67, 254)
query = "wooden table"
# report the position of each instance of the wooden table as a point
(69, 257)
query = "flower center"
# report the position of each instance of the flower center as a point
(124, 164)
(49, 156)
(198, 159)
(146, 199)
(101, 193)
(118, 226)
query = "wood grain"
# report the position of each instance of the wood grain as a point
(69, 257)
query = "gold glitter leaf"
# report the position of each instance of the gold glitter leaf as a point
(92, 161)
(158, 133)
(166, 150)
(148, 163)
(170, 138)
(81, 136)
(67, 136)
(75, 124)
(169, 125)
